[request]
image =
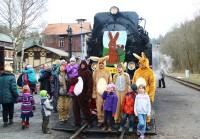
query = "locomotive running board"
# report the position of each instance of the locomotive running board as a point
(68, 127)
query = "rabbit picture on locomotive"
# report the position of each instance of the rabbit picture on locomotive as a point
(113, 46)
(119, 35)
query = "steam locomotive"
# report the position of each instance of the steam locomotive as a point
(134, 37)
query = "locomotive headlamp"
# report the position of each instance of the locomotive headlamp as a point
(114, 10)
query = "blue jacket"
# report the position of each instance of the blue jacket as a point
(110, 102)
(31, 75)
(8, 88)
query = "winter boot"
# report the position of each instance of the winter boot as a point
(10, 121)
(23, 124)
(5, 124)
(27, 124)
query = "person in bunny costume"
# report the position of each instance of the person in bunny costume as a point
(122, 82)
(147, 73)
(81, 101)
(101, 77)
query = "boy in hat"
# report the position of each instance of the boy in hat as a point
(46, 111)
(128, 108)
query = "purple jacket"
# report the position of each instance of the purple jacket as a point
(110, 102)
(27, 102)
(72, 70)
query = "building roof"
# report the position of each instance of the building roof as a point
(60, 28)
(5, 38)
(56, 51)
(53, 50)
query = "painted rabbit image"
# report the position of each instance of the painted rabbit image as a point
(112, 52)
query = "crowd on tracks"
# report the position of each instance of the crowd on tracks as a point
(112, 99)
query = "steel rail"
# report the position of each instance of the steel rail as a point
(78, 131)
(186, 83)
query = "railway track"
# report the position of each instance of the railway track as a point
(186, 83)
(84, 133)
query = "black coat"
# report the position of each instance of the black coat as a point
(44, 80)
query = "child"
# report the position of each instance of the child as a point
(27, 106)
(72, 73)
(46, 111)
(128, 108)
(110, 104)
(142, 109)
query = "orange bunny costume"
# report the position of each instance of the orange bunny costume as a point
(147, 73)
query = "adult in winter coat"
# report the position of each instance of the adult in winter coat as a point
(162, 78)
(44, 80)
(8, 94)
(64, 101)
(55, 83)
(31, 77)
(81, 102)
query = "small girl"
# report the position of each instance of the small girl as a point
(142, 109)
(27, 105)
(110, 104)
(72, 73)
(128, 108)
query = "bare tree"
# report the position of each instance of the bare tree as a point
(183, 45)
(18, 16)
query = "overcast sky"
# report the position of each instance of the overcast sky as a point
(161, 15)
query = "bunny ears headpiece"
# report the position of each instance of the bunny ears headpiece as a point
(142, 59)
(99, 60)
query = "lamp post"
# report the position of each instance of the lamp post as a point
(81, 21)
(69, 32)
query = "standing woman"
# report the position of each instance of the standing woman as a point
(8, 94)
(64, 101)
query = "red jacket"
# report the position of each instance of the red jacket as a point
(128, 103)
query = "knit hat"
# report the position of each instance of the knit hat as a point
(140, 81)
(62, 62)
(26, 88)
(8, 68)
(43, 93)
(111, 85)
(72, 59)
(133, 87)
(29, 66)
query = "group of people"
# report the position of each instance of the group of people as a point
(117, 98)
(124, 98)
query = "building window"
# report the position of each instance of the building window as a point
(36, 55)
(25, 56)
(61, 41)
(49, 55)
